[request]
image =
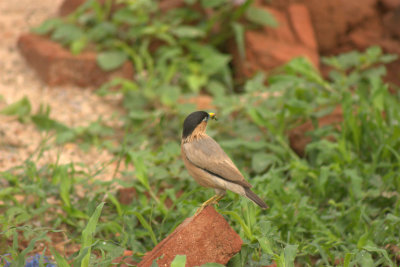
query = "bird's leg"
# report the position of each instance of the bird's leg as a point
(219, 195)
(218, 198)
(213, 200)
(205, 204)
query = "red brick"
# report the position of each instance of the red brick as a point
(126, 195)
(69, 6)
(202, 102)
(57, 66)
(390, 4)
(204, 238)
(302, 26)
(357, 11)
(272, 47)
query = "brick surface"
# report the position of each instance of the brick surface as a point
(204, 238)
(55, 65)
(272, 47)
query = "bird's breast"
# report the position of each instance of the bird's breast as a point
(201, 176)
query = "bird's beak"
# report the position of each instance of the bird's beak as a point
(212, 116)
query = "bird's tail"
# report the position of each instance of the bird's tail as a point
(256, 199)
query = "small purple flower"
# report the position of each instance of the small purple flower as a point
(31, 262)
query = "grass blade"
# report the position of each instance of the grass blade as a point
(87, 235)
(147, 226)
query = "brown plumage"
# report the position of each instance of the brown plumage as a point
(209, 165)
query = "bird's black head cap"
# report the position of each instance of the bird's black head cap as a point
(192, 121)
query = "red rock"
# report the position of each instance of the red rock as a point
(56, 65)
(204, 238)
(328, 20)
(327, 17)
(69, 6)
(283, 32)
(301, 22)
(375, 32)
(273, 47)
(361, 39)
(390, 4)
(126, 195)
(392, 22)
(298, 137)
(202, 102)
(357, 11)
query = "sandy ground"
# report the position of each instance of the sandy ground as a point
(70, 105)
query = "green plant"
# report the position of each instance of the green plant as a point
(172, 52)
(339, 204)
(339, 194)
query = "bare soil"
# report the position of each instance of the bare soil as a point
(70, 105)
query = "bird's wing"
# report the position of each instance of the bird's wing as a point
(206, 154)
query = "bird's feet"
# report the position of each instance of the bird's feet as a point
(212, 201)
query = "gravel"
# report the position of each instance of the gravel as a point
(70, 105)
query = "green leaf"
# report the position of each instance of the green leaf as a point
(47, 26)
(61, 261)
(255, 84)
(260, 16)
(388, 58)
(20, 260)
(116, 203)
(188, 32)
(245, 228)
(101, 32)
(196, 82)
(170, 95)
(265, 245)
(216, 88)
(111, 60)
(22, 108)
(87, 235)
(290, 253)
(65, 186)
(365, 259)
(179, 261)
(67, 33)
(141, 171)
(124, 16)
(238, 31)
(44, 123)
(261, 160)
(215, 62)
(373, 53)
(78, 45)
(347, 259)
(147, 226)
(379, 251)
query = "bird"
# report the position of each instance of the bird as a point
(208, 163)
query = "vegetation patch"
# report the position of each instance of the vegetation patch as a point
(338, 205)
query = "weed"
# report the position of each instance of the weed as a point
(339, 205)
